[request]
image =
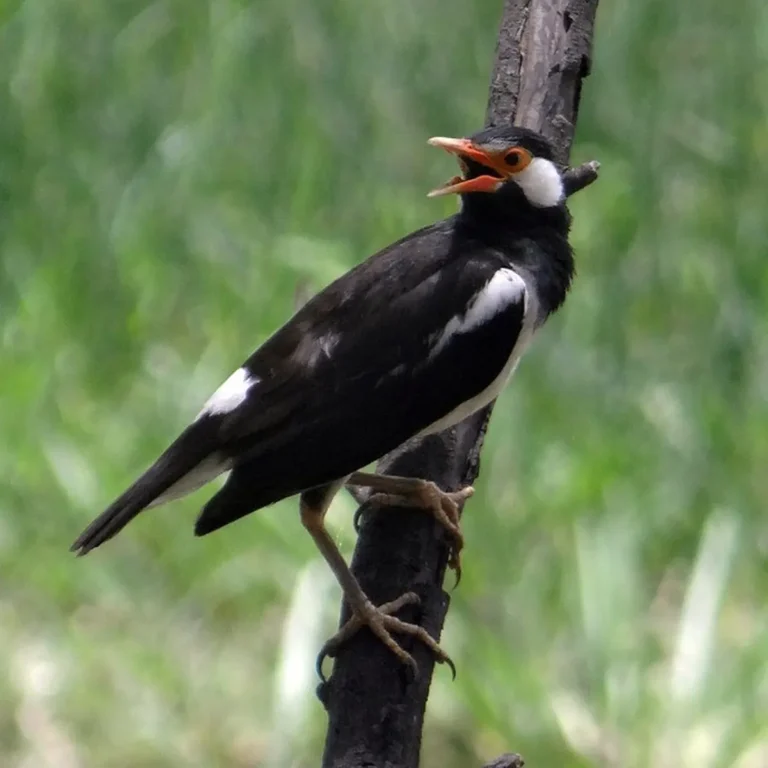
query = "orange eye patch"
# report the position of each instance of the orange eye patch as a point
(517, 159)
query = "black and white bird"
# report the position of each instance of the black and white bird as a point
(410, 342)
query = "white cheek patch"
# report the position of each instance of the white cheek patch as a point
(230, 394)
(504, 288)
(541, 183)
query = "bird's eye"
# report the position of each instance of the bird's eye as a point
(517, 158)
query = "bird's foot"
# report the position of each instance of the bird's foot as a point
(444, 506)
(381, 622)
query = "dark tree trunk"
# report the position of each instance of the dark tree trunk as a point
(375, 711)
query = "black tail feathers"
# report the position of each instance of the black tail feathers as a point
(183, 456)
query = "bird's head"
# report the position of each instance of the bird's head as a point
(500, 160)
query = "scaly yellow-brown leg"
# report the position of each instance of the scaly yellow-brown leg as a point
(314, 505)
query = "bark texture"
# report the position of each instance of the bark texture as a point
(376, 712)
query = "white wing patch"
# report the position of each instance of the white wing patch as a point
(541, 183)
(504, 288)
(230, 394)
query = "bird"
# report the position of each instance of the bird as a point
(407, 343)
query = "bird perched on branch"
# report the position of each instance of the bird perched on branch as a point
(409, 342)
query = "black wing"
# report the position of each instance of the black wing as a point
(195, 457)
(360, 369)
(369, 382)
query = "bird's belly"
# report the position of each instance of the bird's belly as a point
(490, 393)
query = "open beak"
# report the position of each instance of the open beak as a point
(464, 148)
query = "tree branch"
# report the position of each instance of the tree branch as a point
(375, 712)
(581, 176)
(506, 761)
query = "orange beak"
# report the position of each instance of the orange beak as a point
(465, 148)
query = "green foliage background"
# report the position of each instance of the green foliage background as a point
(170, 172)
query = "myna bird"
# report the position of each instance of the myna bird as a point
(410, 342)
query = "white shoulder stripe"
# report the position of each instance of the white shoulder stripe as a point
(230, 394)
(504, 288)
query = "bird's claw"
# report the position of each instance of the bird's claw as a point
(357, 518)
(444, 506)
(381, 622)
(376, 501)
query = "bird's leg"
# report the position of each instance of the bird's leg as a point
(314, 504)
(420, 494)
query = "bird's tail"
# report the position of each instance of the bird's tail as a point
(179, 461)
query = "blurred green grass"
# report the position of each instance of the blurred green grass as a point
(170, 172)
